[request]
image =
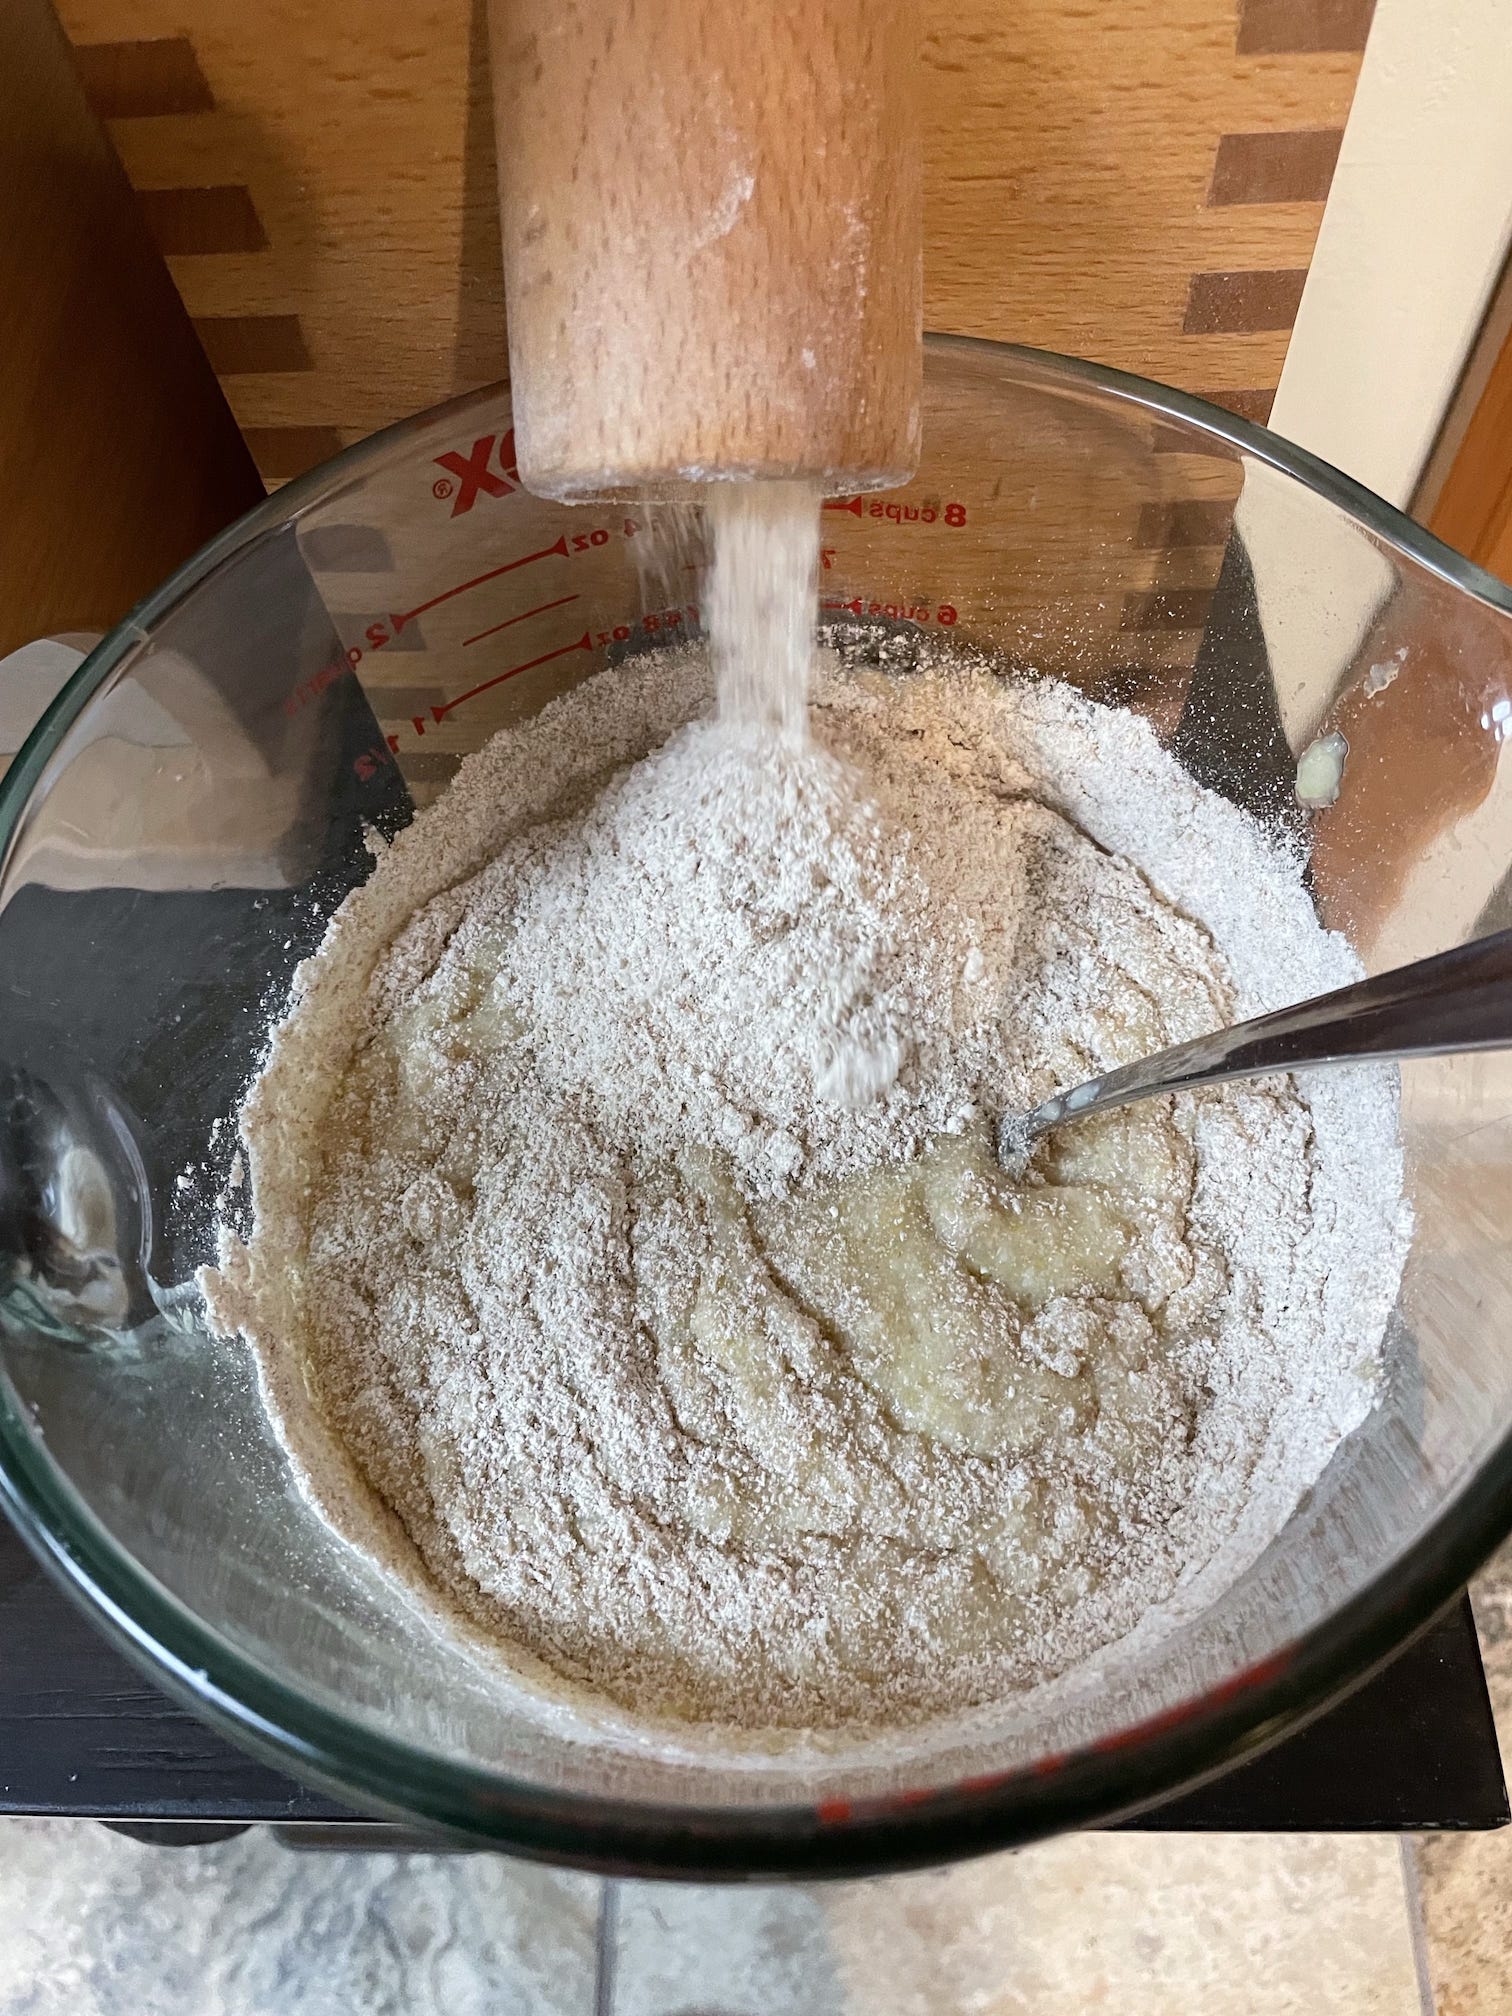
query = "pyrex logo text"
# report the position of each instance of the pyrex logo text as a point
(470, 477)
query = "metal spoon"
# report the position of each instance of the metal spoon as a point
(1459, 1000)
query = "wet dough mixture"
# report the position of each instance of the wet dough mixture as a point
(630, 1269)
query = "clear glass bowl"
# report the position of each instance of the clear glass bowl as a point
(193, 806)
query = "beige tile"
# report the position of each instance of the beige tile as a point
(1215, 1925)
(1465, 1890)
(1465, 1880)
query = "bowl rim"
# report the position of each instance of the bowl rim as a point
(1109, 1780)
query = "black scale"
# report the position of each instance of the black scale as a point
(83, 1735)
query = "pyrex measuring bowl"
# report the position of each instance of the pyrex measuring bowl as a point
(194, 805)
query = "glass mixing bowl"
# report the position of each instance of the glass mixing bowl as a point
(194, 805)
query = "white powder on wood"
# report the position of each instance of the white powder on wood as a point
(626, 1268)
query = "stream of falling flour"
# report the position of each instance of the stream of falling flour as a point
(761, 602)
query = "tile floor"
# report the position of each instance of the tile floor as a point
(1464, 1881)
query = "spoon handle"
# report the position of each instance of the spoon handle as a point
(1457, 1000)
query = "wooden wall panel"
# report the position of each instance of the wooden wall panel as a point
(1071, 200)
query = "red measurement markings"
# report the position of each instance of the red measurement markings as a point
(560, 602)
(668, 619)
(563, 548)
(311, 688)
(902, 612)
(651, 620)
(953, 515)
(371, 761)
(559, 547)
(583, 643)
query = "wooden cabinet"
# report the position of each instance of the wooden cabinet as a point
(1466, 496)
(118, 452)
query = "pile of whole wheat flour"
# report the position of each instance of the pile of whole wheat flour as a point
(629, 1267)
